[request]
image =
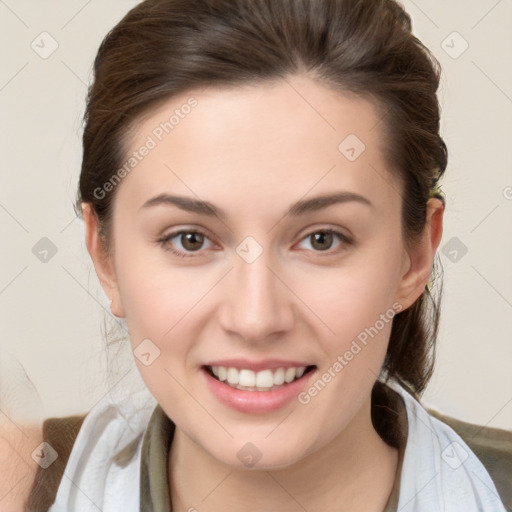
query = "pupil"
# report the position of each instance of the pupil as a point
(190, 239)
(322, 238)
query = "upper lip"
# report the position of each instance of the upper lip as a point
(267, 364)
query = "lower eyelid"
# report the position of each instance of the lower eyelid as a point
(164, 241)
(344, 239)
(167, 238)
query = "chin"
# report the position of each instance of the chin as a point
(259, 455)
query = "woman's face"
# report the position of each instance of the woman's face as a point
(228, 259)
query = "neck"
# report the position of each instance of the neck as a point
(356, 469)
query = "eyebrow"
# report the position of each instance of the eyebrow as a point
(299, 208)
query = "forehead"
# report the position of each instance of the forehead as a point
(256, 145)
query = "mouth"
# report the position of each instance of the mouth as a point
(245, 379)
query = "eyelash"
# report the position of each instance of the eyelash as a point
(164, 241)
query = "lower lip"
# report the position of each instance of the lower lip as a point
(256, 402)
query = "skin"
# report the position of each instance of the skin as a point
(254, 151)
(17, 467)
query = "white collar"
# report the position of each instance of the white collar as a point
(440, 473)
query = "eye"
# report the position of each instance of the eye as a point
(322, 240)
(191, 242)
(185, 243)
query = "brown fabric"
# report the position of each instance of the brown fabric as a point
(491, 445)
(60, 434)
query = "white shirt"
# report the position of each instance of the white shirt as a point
(440, 473)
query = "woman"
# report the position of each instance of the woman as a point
(260, 193)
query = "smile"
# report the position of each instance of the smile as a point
(257, 387)
(265, 380)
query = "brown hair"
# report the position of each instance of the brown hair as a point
(162, 48)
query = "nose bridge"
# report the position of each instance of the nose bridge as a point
(258, 304)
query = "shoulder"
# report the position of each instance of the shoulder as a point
(59, 436)
(17, 465)
(32, 462)
(493, 446)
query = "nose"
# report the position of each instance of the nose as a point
(257, 304)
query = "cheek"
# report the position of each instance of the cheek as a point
(353, 297)
(159, 304)
(155, 294)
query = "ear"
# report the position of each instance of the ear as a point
(419, 258)
(103, 263)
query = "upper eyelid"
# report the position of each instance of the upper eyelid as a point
(173, 234)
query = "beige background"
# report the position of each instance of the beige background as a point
(51, 313)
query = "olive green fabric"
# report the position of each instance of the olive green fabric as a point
(491, 445)
(154, 471)
(154, 487)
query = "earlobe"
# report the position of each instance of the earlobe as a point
(420, 257)
(102, 261)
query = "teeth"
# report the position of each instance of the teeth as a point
(290, 374)
(232, 376)
(247, 378)
(253, 381)
(222, 373)
(264, 379)
(279, 377)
